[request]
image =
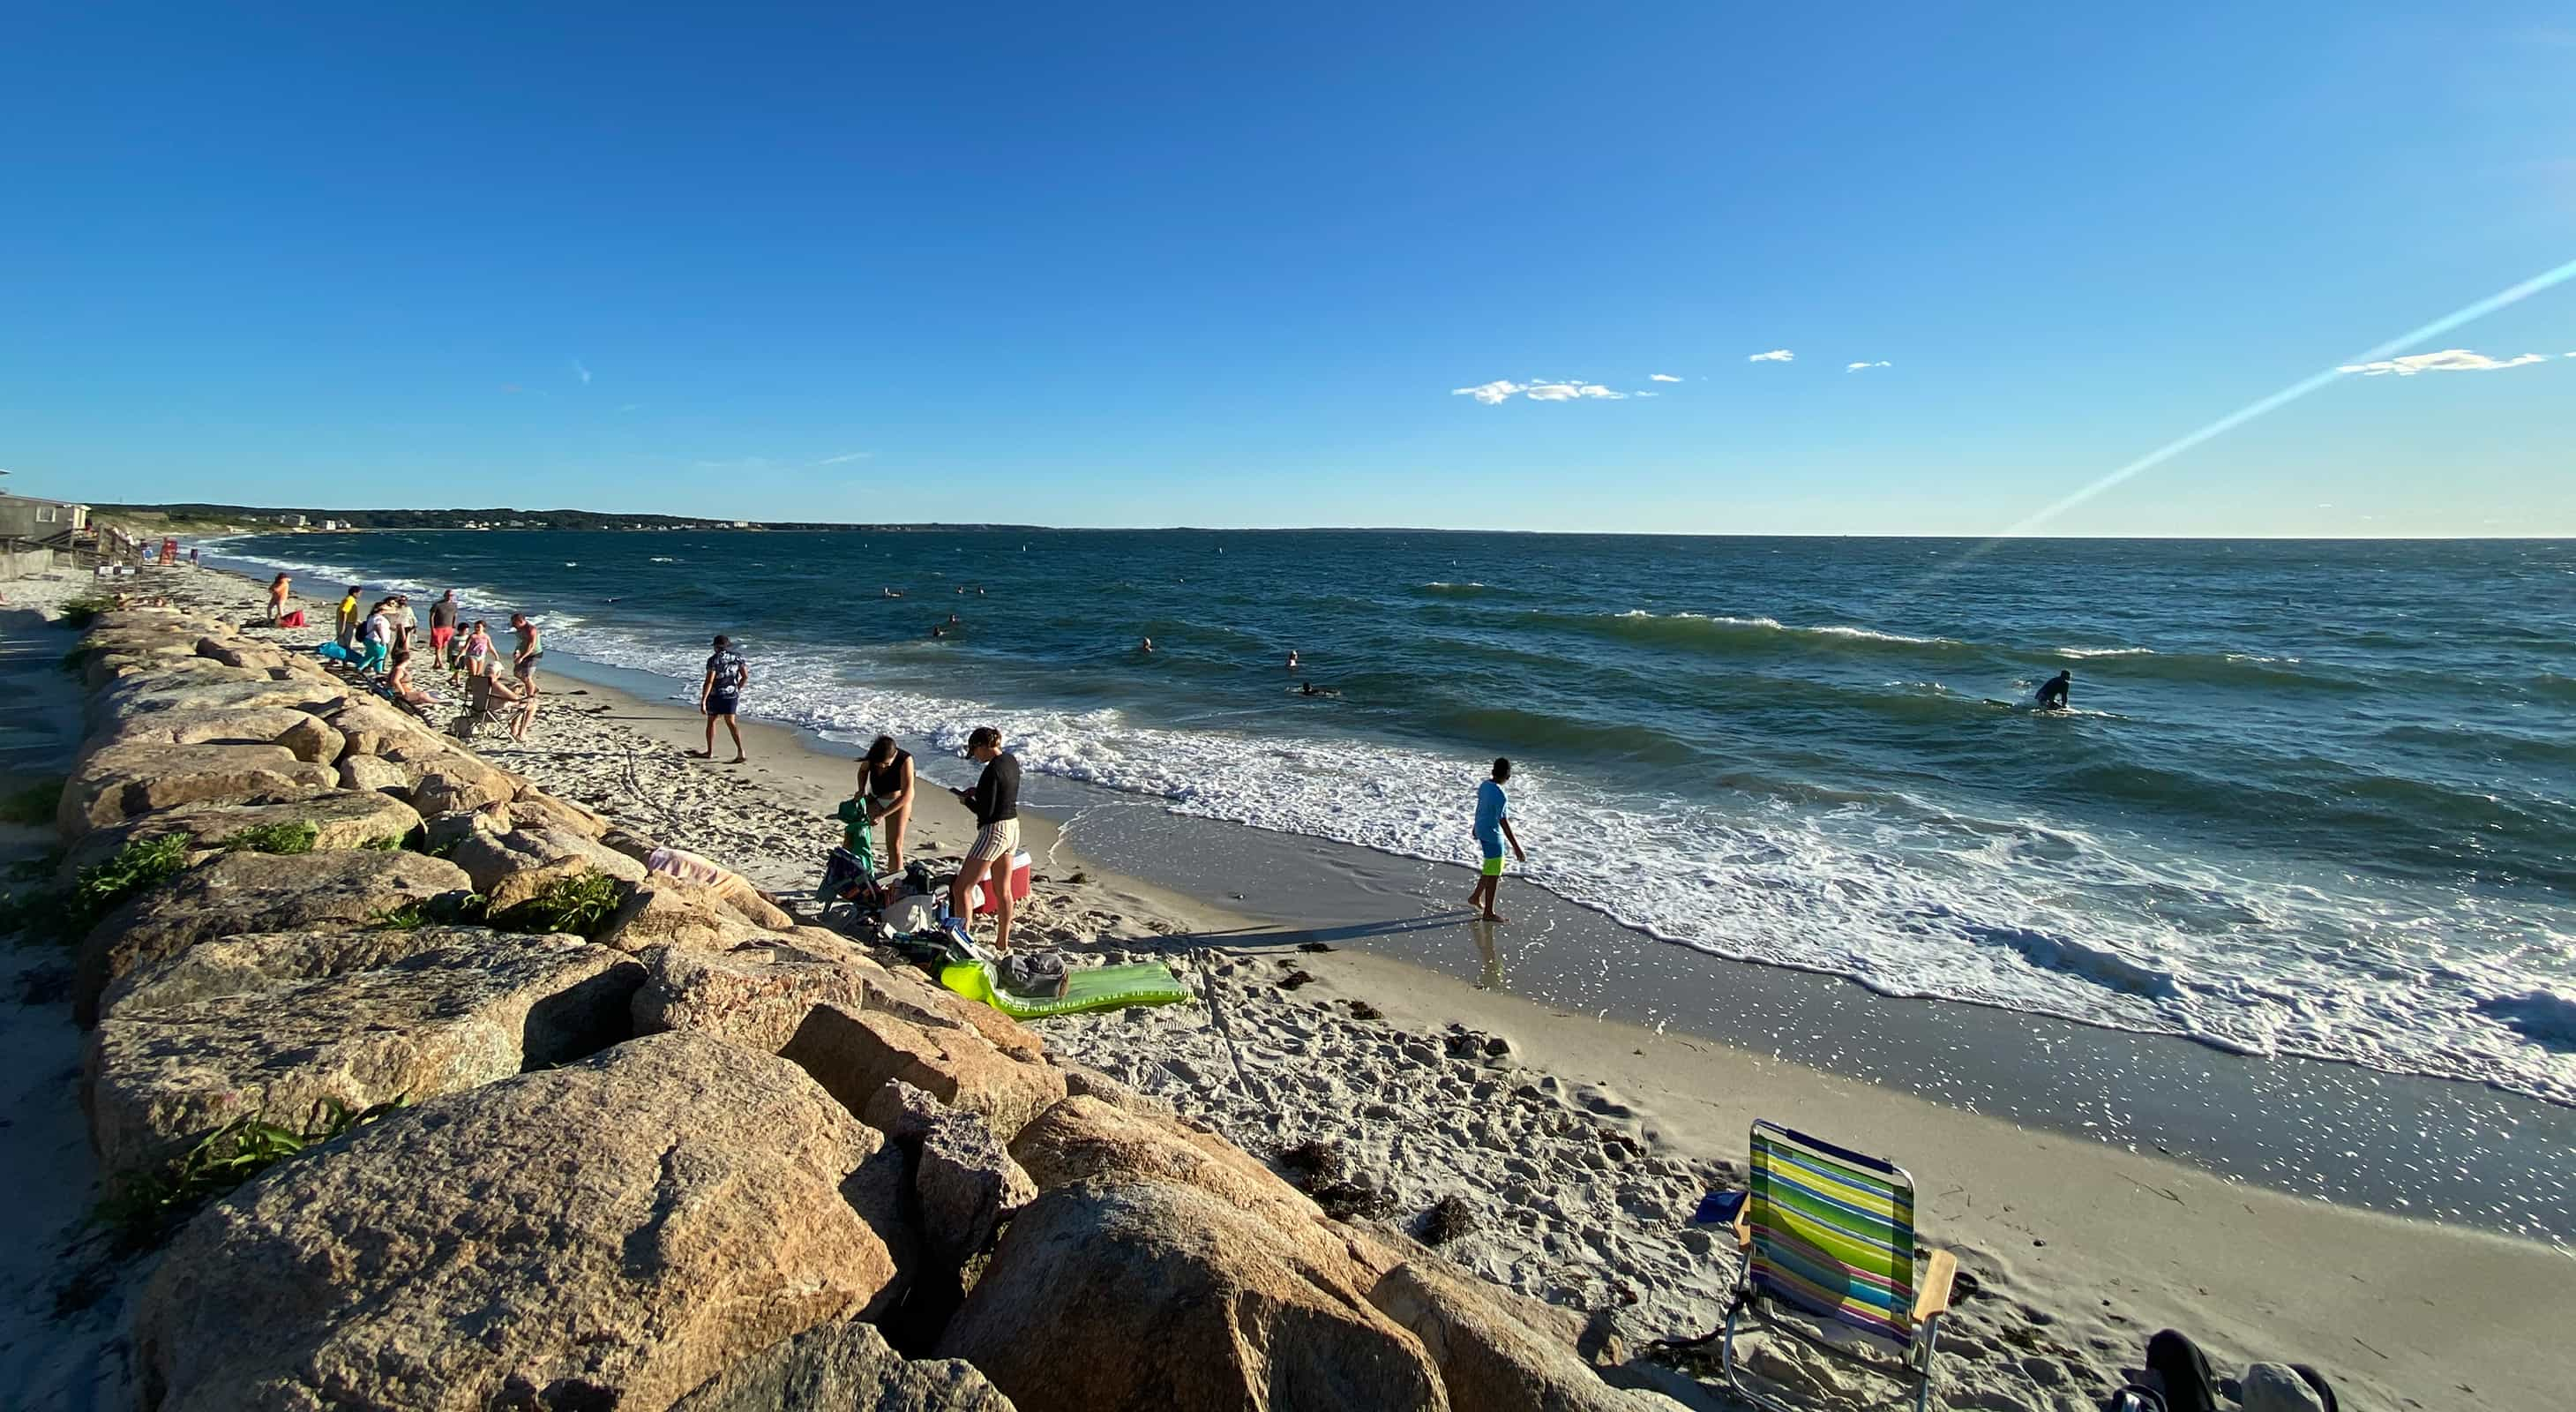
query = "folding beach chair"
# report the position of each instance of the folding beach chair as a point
(1827, 1236)
(480, 710)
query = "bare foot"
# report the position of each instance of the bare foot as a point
(1495, 917)
(739, 759)
(701, 754)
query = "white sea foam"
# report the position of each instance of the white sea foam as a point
(1840, 630)
(1898, 895)
(1874, 635)
(2081, 653)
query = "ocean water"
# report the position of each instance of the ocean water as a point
(2315, 797)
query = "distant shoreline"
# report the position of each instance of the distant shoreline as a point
(229, 524)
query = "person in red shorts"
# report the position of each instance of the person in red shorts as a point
(442, 627)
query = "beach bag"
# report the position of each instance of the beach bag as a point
(915, 912)
(842, 877)
(292, 620)
(1040, 973)
(331, 652)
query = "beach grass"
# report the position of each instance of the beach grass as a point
(65, 915)
(580, 905)
(449, 910)
(82, 611)
(32, 805)
(297, 837)
(141, 1208)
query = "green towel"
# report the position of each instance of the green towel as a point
(1088, 988)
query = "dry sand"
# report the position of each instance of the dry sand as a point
(1579, 1149)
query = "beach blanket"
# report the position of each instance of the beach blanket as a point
(1089, 988)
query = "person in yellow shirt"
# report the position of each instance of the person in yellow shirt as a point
(348, 628)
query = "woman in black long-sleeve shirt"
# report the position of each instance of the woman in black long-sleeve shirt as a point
(996, 802)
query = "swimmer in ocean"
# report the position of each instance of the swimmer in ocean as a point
(2051, 695)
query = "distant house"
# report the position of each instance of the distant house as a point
(26, 517)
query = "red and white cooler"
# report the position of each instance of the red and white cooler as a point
(987, 904)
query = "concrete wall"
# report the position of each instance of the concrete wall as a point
(28, 563)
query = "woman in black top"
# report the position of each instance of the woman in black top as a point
(885, 778)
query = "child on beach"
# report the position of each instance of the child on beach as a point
(720, 696)
(1493, 829)
(475, 658)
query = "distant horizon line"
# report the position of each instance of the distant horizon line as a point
(847, 526)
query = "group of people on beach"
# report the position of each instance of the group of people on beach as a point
(380, 643)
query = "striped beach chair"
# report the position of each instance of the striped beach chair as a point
(1827, 1236)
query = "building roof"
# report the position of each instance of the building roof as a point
(40, 500)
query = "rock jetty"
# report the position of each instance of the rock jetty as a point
(632, 1143)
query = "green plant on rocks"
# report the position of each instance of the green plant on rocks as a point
(390, 843)
(448, 910)
(144, 1207)
(297, 837)
(32, 805)
(580, 905)
(41, 913)
(82, 611)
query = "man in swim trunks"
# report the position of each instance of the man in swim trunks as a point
(523, 663)
(720, 695)
(1493, 830)
(442, 626)
(996, 802)
(2052, 692)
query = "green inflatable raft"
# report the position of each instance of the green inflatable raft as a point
(1088, 988)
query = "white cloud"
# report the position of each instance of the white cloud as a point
(1856, 367)
(581, 372)
(2449, 360)
(1641, 392)
(1661, 377)
(629, 407)
(1776, 355)
(845, 458)
(1538, 390)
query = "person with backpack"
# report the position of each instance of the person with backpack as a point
(720, 695)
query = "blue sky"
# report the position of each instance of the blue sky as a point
(1181, 264)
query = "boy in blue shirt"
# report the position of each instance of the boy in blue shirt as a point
(1493, 830)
